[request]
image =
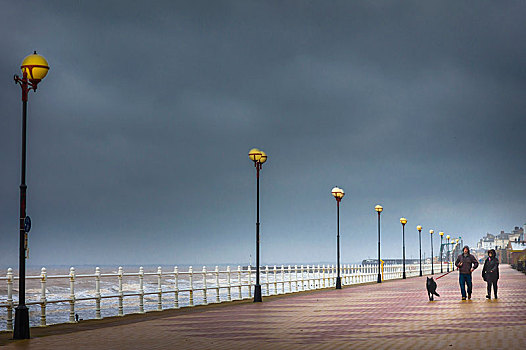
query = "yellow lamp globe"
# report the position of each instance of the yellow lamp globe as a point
(441, 233)
(263, 157)
(378, 208)
(35, 67)
(254, 154)
(448, 236)
(419, 228)
(403, 221)
(431, 232)
(337, 192)
(456, 240)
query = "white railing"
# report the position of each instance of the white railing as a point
(179, 288)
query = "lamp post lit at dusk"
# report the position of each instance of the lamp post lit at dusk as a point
(338, 195)
(34, 68)
(431, 235)
(403, 221)
(379, 210)
(419, 228)
(448, 237)
(258, 157)
(441, 250)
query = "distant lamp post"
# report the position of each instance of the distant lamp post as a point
(338, 194)
(456, 247)
(448, 237)
(441, 250)
(431, 235)
(258, 157)
(379, 210)
(403, 221)
(419, 228)
(34, 68)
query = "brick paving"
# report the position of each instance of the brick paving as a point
(391, 315)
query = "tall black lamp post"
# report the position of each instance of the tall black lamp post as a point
(431, 235)
(379, 210)
(338, 194)
(258, 157)
(34, 68)
(448, 237)
(403, 221)
(441, 250)
(419, 228)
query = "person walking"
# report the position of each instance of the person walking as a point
(466, 264)
(490, 272)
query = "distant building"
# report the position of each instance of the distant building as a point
(502, 243)
(487, 242)
(514, 250)
(516, 235)
(502, 239)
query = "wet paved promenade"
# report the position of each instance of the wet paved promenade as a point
(392, 315)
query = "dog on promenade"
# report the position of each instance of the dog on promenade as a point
(431, 287)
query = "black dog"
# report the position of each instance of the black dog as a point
(431, 286)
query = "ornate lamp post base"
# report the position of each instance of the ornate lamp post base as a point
(257, 293)
(21, 330)
(338, 283)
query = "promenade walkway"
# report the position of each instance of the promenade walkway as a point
(391, 315)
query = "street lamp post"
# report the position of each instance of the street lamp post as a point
(441, 250)
(379, 210)
(457, 248)
(338, 194)
(258, 157)
(448, 237)
(431, 235)
(419, 228)
(403, 221)
(34, 68)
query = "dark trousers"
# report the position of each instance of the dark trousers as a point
(490, 283)
(463, 279)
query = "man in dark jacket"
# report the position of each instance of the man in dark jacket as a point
(466, 263)
(490, 272)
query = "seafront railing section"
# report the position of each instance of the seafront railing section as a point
(163, 287)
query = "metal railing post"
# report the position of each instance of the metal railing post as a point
(191, 281)
(218, 299)
(239, 281)
(176, 287)
(72, 294)
(121, 294)
(275, 281)
(159, 289)
(97, 293)
(9, 276)
(43, 276)
(267, 292)
(141, 290)
(205, 301)
(249, 272)
(229, 284)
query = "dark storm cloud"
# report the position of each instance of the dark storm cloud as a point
(138, 137)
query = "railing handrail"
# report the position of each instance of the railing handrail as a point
(275, 280)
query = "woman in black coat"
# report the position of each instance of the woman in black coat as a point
(490, 272)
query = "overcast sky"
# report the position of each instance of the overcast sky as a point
(138, 137)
